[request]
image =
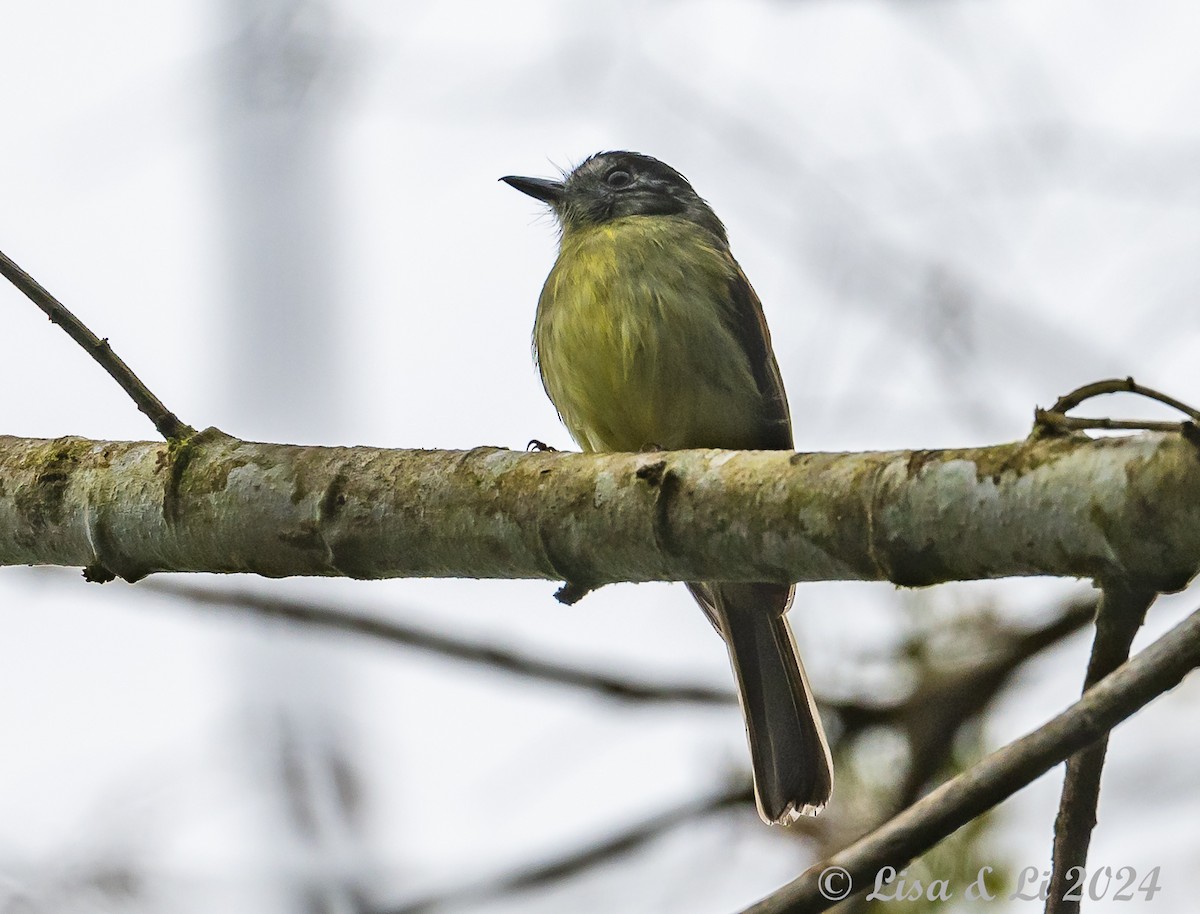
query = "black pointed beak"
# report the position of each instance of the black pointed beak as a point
(540, 189)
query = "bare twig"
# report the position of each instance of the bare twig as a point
(1056, 416)
(168, 424)
(1058, 421)
(1157, 669)
(1120, 385)
(574, 862)
(329, 617)
(1118, 617)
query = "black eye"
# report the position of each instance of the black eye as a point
(618, 178)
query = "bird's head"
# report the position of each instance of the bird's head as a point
(613, 185)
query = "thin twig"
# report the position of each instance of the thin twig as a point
(1157, 669)
(168, 424)
(329, 617)
(1056, 416)
(1120, 385)
(577, 861)
(1119, 615)
(1059, 421)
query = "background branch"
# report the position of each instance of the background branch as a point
(320, 617)
(946, 701)
(1157, 669)
(1119, 615)
(575, 862)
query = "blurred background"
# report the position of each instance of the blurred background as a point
(285, 216)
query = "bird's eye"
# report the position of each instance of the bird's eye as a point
(618, 179)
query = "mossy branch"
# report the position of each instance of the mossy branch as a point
(1116, 509)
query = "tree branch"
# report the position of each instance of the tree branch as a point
(1119, 508)
(168, 424)
(1068, 402)
(945, 702)
(1157, 669)
(330, 618)
(1119, 615)
(574, 862)
(1056, 417)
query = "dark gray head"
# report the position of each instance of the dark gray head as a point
(610, 185)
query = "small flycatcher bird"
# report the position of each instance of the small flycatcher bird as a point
(648, 334)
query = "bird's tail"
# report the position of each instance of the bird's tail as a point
(793, 773)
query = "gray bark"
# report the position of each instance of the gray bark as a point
(1108, 508)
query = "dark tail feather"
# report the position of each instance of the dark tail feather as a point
(793, 775)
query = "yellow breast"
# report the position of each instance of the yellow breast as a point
(634, 343)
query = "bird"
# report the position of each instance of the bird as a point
(648, 336)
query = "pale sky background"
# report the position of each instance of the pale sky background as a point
(953, 211)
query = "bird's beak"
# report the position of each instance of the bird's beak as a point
(540, 189)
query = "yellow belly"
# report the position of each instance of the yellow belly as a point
(632, 341)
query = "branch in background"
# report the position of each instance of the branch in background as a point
(940, 706)
(958, 675)
(943, 701)
(168, 424)
(946, 702)
(1118, 618)
(1048, 505)
(1157, 669)
(575, 862)
(328, 617)
(929, 717)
